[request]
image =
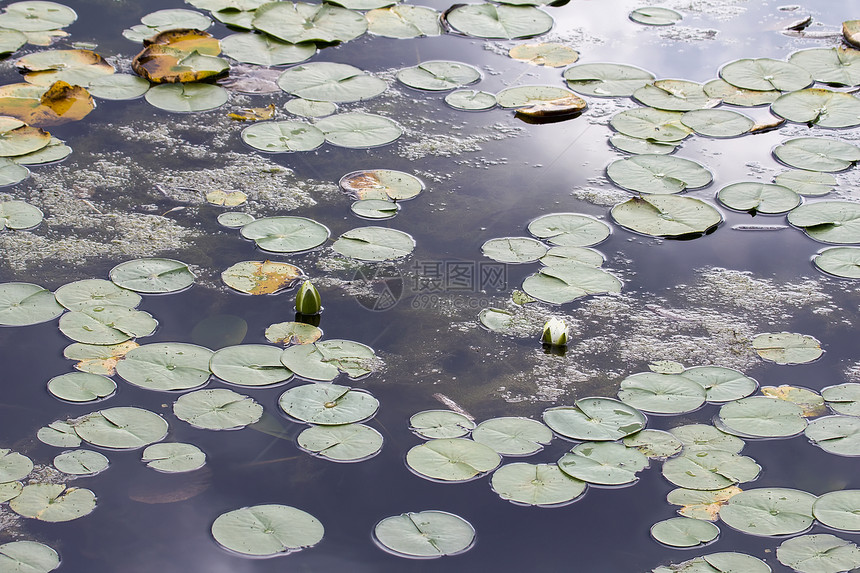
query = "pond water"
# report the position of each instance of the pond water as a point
(134, 187)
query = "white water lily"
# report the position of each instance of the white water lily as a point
(555, 332)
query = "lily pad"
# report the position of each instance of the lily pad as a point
(655, 16)
(820, 553)
(121, 428)
(118, 87)
(173, 457)
(539, 485)
(843, 398)
(839, 509)
(267, 530)
(374, 244)
(835, 66)
(286, 234)
(684, 532)
(787, 347)
(187, 97)
(496, 319)
(765, 74)
(733, 95)
(283, 136)
(661, 393)
(81, 387)
(164, 20)
(403, 21)
(638, 146)
(166, 366)
(658, 174)
(310, 362)
(108, 324)
(452, 459)
(77, 67)
(654, 444)
(81, 462)
(384, 184)
(356, 130)
(699, 504)
(23, 304)
(328, 81)
(98, 359)
(309, 108)
(23, 140)
(19, 215)
(540, 101)
(595, 419)
(434, 424)
(36, 16)
(53, 502)
(41, 106)
(721, 384)
(758, 198)
(439, 75)
(375, 209)
(563, 283)
(343, 443)
(88, 293)
(55, 151)
(829, 221)
(302, 22)
(710, 469)
(217, 409)
(762, 417)
(256, 277)
(810, 183)
(769, 511)
(59, 434)
(817, 154)
(11, 40)
(604, 463)
(697, 437)
(809, 401)
(14, 466)
(674, 95)
(561, 255)
(328, 404)
(838, 435)
(8, 490)
(288, 333)
(28, 556)
(666, 216)
(471, 100)
(821, 107)
(264, 50)
(717, 122)
(550, 54)
(606, 80)
(512, 436)
(249, 365)
(425, 534)
(569, 229)
(499, 21)
(152, 275)
(651, 124)
(726, 562)
(12, 173)
(514, 250)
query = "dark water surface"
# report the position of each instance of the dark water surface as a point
(143, 521)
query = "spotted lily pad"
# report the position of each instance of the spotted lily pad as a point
(697, 437)
(569, 229)
(710, 469)
(53, 502)
(839, 435)
(606, 80)
(654, 444)
(820, 553)
(434, 424)
(684, 532)
(787, 347)
(817, 154)
(264, 50)
(28, 556)
(374, 244)
(152, 275)
(499, 21)
(562, 254)
(328, 81)
(839, 509)
(260, 277)
(95, 292)
(173, 457)
(512, 436)
(14, 466)
(81, 387)
(563, 283)
(810, 402)
(357, 130)
(758, 197)
(666, 216)
(342, 443)
(288, 333)
(765, 74)
(674, 95)
(8, 490)
(23, 304)
(828, 221)
(595, 419)
(452, 459)
(439, 75)
(328, 404)
(403, 21)
(121, 428)
(821, 107)
(604, 463)
(539, 485)
(762, 417)
(286, 234)
(217, 409)
(843, 398)
(59, 434)
(658, 174)
(36, 16)
(81, 462)
(108, 324)
(19, 215)
(166, 366)
(769, 511)
(249, 365)
(425, 534)
(267, 530)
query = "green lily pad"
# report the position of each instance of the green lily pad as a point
(23, 140)
(267, 530)
(839, 509)
(23, 304)
(726, 562)
(76, 67)
(187, 97)
(820, 553)
(569, 229)
(118, 87)
(604, 463)
(452, 459)
(843, 398)
(14, 466)
(717, 122)
(661, 393)
(374, 244)
(769, 511)
(288, 333)
(286, 234)
(403, 21)
(240, 19)
(375, 209)
(434, 424)
(356, 130)
(301, 22)
(594, 419)
(88, 293)
(81, 462)
(828, 221)
(639, 146)
(766, 74)
(121, 428)
(821, 107)
(342, 443)
(496, 319)
(666, 215)
(499, 21)
(651, 124)
(654, 444)
(152, 275)
(514, 250)
(283, 136)
(166, 366)
(710, 469)
(81, 387)
(235, 220)
(697, 437)
(173, 457)
(307, 361)
(563, 283)
(562, 255)
(762, 417)
(674, 95)
(810, 183)
(758, 198)
(108, 324)
(309, 108)
(684, 532)
(539, 485)
(55, 151)
(328, 404)
(328, 81)
(53, 502)
(733, 95)
(606, 80)
(9, 490)
(655, 16)
(19, 215)
(59, 434)
(11, 40)
(425, 534)
(36, 16)
(721, 384)
(549, 54)
(11, 173)
(264, 50)
(28, 556)
(382, 184)
(439, 75)
(512, 436)
(217, 409)
(658, 174)
(534, 95)
(817, 154)
(249, 365)
(787, 347)
(164, 20)
(835, 66)
(838, 435)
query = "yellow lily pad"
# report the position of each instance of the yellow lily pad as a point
(226, 198)
(77, 67)
(255, 277)
(548, 54)
(38, 106)
(810, 402)
(254, 113)
(179, 56)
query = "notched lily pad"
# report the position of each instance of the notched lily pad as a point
(666, 215)
(23, 304)
(217, 409)
(542, 485)
(384, 184)
(267, 530)
(439, 75)
(434, 424)
(342, 443)
(152, 275)
(374, 244)
(286, 234)
(452, 459)
(53, 502)
(328, 404)
(787, 347)
(424, 534)
(498, 21)
(288, 333)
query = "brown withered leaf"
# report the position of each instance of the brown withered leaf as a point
(180, 56)
(704, 504)
(254, 113)
(99, 359)
(255, 277)
(39, 106)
